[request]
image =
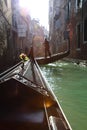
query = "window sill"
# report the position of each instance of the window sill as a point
(78, 49)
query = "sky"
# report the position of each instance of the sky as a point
(38, 9)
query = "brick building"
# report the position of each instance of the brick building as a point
(5, 31)
(69, 17)
(78, 29)
(57, 25)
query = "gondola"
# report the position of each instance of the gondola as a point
(54, 57)
(27, 101)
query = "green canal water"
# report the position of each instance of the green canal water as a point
(69, 83)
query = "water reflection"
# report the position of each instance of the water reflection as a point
(69, 83)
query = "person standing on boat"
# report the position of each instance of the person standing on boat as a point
(47, 48)
(31, 52)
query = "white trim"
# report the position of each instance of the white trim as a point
(78, 49)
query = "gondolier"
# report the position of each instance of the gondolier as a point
(47, 48)
(31, 53)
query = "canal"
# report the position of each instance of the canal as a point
(69, 83)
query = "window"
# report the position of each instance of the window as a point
(6, 2)
(50, 9)
(78, 35)
(85, 29)
(79, 4)
(68, 7)
(0, 2)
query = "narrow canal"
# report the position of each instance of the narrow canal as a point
(69, 83)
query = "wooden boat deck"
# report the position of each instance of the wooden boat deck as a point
(21, 107)
(26, 103)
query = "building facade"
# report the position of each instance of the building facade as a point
(78, 29)
(5, 24)
(68, 19)
(20, 23)
(5, 30)
(57, 25)
(14, 32)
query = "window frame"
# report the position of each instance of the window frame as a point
(85, 18)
